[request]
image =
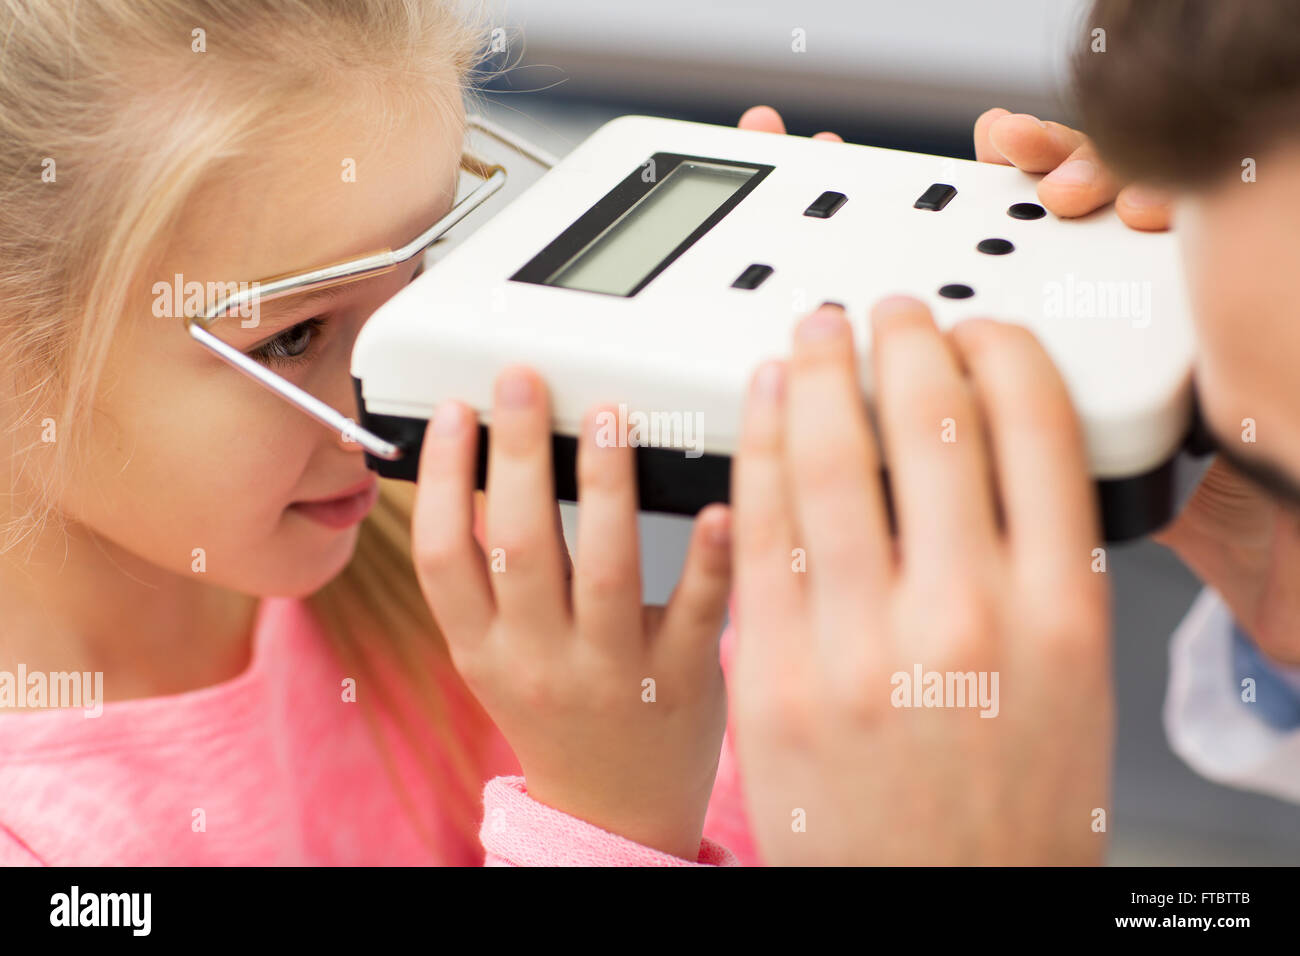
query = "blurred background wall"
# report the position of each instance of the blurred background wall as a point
(913, 76)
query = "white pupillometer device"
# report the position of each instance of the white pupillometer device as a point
(660, 262)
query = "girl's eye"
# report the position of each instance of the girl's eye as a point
(292, 346)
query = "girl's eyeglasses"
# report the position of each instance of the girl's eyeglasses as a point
(493, 178)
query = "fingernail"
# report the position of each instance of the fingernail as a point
(515, 389)
(892, 305)
(1077, 172)
(1029, 116)
(896, 303)
(827, 322)
(602, 427)
(448, 419)
(720, 535)
(1140, 197)
(770, 381)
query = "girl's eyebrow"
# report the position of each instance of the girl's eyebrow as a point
(292, 307)
(303, 299)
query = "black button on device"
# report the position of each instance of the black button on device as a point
(956, 290)
(995, 247)
(936, 197)
(826, 205)
(753, 277)
(1026, 210)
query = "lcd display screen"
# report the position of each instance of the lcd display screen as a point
(618, 259)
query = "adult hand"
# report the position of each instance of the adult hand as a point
(1231, 534)
(990, 576)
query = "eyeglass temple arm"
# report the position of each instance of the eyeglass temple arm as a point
(502, 135)
(494, 178)
(198, 326)
(365, 267)
(323, 413)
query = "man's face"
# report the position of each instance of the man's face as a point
(1241, 251)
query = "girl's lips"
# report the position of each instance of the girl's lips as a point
(343, 511)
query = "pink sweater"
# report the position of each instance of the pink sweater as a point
(274, 768)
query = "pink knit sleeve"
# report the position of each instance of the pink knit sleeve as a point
(519, 831)
(14, 852)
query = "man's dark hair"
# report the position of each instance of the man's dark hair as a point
(1187, 89)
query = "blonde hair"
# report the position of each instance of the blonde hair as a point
(81, 88)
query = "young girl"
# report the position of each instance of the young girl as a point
(275, 689)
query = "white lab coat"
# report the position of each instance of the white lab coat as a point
(1207, 722)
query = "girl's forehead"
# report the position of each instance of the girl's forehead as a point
(321, 196)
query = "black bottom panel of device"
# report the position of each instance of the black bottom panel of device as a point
(668, 482)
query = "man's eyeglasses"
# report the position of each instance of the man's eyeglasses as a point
(364, 267)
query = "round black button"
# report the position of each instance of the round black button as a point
(956, 290)
(1026, 210)
(995, 247)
